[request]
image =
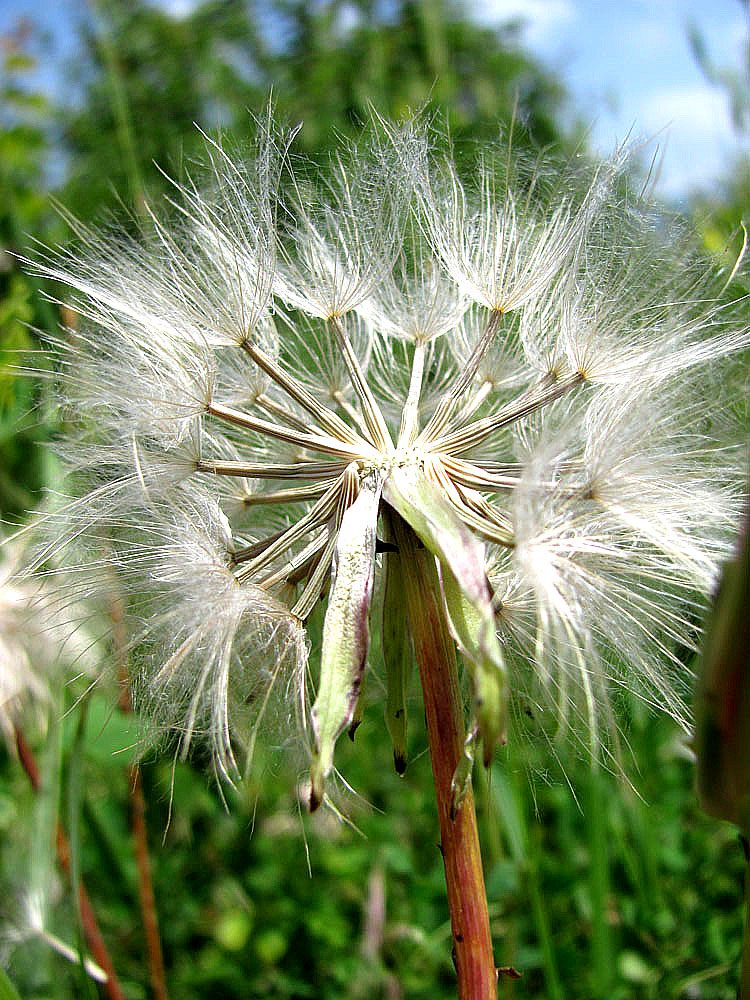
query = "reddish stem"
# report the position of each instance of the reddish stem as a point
(146, 886)
(89, 922)
(138, 810)
(436, 656)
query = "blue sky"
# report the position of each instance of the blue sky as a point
(627, 64)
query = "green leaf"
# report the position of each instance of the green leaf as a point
(424, 508)
(346, 632)
(111, 737)
(7, 989)
(359, 708)
(474, 633)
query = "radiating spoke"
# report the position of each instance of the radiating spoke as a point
(317, 515)
(317, 581)
(294, 494)
(371, 412)
(474, 433)
(277, 410)
(321, 573)
(410, 415)
(476, 475)
(299, 565)
(449, 404)
(491, 514)
(263, 470)
(472, 405)
(329, 420)
(349, 410)
(482, 525)
(317, 442)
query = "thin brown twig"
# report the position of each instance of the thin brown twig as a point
(138, 812)
(145, 885)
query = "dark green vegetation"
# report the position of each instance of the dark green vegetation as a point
(597, 889)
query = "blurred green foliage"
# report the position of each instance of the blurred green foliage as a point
(25, 214)
(627, 893)
(147, 79)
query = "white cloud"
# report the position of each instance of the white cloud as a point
(178, 9)
(541, 18)
(698, 137)
(348, 18)
(700, 112)
(654, 35)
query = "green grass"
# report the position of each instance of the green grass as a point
(617, 892)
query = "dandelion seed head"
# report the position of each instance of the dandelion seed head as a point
(270, 382)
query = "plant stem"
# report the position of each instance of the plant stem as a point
(145, 884)
(602, 951)
(138, 809)
(443, 705)
(88, 918)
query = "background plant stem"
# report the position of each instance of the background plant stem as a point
(88, 917)
(436, 656)
(603, 963)
(138, 810)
